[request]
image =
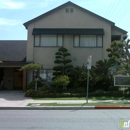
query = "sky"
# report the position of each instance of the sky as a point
(13, 13)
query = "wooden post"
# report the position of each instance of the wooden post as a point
(24, 80)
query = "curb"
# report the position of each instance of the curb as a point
(65, 108)
(49, 108)
(112, 107)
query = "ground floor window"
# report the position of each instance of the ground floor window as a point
(46, 74)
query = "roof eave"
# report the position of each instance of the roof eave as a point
(120, 29)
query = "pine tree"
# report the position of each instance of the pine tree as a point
(119, 51)
(120, 55)
(63, 62)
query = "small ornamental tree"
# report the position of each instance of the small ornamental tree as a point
(116, 52)
(63, 62)
(119, 53)
(33, 67)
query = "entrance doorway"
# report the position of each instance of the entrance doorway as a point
(18, 80)
(11, 79)
(8, 79)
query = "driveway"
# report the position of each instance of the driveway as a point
(13, 99)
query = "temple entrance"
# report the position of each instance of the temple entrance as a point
(18, 80)
(12, 79)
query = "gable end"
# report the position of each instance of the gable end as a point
(62, 6)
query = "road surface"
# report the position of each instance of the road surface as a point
(62, 119)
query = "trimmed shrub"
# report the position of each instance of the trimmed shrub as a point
(61, 80)
(32, 85)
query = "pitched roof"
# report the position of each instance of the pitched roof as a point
(119, 29)
(13, 50)
(62, 6)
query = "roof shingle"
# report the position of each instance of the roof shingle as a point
(13, 50)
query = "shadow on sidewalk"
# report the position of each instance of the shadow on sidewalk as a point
(12, 95)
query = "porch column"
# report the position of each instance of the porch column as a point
(24, 80)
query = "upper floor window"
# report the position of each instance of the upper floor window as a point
(48, 40)
(87, 41)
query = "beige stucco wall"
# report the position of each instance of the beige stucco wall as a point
(30, 44)
(115, 31)
(77, 19)
(46, 56)
(61, 19)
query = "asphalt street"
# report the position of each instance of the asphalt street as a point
(62, 119)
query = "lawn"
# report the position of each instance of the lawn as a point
(84, 98)
(81, 104)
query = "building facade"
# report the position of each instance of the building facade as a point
(82, 32)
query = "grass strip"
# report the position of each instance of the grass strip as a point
(84, 98)
(81, 104)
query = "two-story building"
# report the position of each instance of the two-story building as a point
(82, 32)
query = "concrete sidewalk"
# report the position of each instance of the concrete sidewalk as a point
(13, 99)
(16, 99)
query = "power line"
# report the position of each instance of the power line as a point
(111, 8)
(122, 11)
(114, 11)
(107, 9)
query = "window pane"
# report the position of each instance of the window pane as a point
(48, 40)
(87, 41)
(92, 40)
(83, 40)
(46, 74)
(37, 40)
(76, 40)
(60, 40)
(43, 74)
(99, 41)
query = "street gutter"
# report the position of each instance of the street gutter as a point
(65, 108)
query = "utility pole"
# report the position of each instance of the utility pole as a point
(89, 61)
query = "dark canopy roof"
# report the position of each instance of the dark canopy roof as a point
(13, 50)
(67, 31)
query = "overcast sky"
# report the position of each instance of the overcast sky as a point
(13, 13)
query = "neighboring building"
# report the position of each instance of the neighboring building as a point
(82, 32)
(12, 57)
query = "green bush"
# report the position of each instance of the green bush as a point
(32, 85)
(45, 94)
(41, 92)
(61, 80)
(78, 78)
(113, 88)
(30, 93)
(110, 94)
